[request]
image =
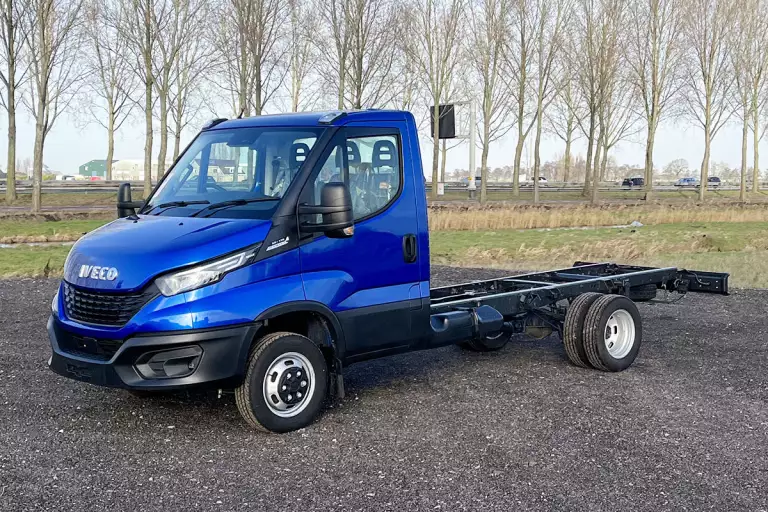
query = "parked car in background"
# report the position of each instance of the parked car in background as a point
(529, 183)
(687, 182)
(714, 181)
(633, 182)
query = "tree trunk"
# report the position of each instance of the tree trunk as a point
(177, 143)
(744, 137)
(148, 139)
(163, 134)
(705, 163)
(443, 155)
(596, 170)
(342, 83)
(518, 158)
(37, 165)
(10, 190)
(649, 160)
(590, 151)
(484, 164)
(536, 155)
(756, 163)
(110, 142)
(567, 158)
(435, 149)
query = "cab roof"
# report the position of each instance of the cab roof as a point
(320, 119)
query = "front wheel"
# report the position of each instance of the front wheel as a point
(285, 383)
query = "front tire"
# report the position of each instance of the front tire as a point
(285, 384)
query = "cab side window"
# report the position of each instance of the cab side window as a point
(370, 166)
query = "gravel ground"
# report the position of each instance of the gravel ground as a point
(686, 428)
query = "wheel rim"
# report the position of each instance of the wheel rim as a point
(289, 384)
(620, 334)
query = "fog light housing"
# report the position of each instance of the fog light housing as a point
(169, 364)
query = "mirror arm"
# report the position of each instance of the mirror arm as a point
(306, 209)
(321, 228)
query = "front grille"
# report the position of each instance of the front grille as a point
(104, 308)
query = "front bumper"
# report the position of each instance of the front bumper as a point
(153, 362)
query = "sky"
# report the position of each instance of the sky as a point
(69, 145)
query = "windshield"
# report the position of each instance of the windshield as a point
(240, 173)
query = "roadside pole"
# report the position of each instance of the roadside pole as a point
(472, 187)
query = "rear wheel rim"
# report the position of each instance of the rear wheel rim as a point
(289, 384)
(620, 334)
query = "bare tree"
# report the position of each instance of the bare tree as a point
(552, 18)
(708, 75)
(141, 22)
(749, 57)
(488, 41)
(247, 45)
(602, 47)
(113, 82)
(336, 18)
(182, 29)
(656, 51)
(371, 52)
(617, 114)
(302, 52)
(521, 52)
(12, 74)
(434, 49)
(187, 92)
(561, 116)
(53, 43)
(584, 48)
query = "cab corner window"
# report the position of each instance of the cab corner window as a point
(370, 166)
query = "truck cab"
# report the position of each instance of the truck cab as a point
(313, 224)
(279, 249)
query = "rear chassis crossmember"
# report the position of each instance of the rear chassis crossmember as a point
(536, 300)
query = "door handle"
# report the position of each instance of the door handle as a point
(409, 248)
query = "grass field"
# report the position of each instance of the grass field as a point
(738, 246)
(26, 230)
(98, 198)
(684, 195)
(503, 216)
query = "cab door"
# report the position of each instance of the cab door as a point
(371, 279)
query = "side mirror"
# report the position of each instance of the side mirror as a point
(336, 210)
(125, 206)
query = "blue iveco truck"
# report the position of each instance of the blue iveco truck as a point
(279, 249)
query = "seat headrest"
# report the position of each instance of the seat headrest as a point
(353, 154)
(384, 154)
(299, 152)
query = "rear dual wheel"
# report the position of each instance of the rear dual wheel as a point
(602, 332)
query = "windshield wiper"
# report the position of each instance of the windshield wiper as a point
(175, 204)
(232, 202)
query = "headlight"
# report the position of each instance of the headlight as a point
(205, 274)
(55, 303)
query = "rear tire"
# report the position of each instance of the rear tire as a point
(285, 383)
(573, 329)
(490, 343)
(612, 333)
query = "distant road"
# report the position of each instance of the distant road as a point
(74, 187)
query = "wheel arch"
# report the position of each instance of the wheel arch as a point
(308, 318)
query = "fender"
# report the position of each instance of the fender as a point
(314, 307)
